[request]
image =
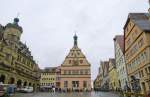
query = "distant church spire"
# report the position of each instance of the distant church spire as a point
(75, 40)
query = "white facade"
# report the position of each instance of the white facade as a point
(120, 65)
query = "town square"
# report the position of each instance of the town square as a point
(75, 48)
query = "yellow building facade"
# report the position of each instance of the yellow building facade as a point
(48, 78)
(16, 62)
(113, 77)
(137, 49)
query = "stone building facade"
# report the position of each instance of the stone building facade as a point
(17, 65)
(137, 49)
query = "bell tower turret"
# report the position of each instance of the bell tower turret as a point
(13, 31)
(75, 40)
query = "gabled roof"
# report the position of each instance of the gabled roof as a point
(140, 19)
(112, 60)
(105, 67)
(120, 40)
(49, 69)
(143, 24)
(75, 56)
(24, 49)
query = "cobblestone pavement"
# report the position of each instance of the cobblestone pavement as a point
(92, 94)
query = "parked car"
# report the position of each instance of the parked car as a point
(26, 89)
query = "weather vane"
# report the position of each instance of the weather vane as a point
(75, 32)
(16, 19)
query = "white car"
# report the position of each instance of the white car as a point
(27, 89)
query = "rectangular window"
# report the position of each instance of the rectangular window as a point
(8, 56)
(129, 41)
(146, 71)
(78, 53)
(75, 83)
(76, 72)
(65, 72)
(86, 71)
(149, 69)
(65, 83)
(69, 72)
(142, 73)
(69, 61)
(84, 84)
(81, 72)
(114, 84)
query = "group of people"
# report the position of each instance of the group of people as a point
(127, 89)
(7, 89)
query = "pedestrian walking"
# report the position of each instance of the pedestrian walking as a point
(11, 89)
(53, 89)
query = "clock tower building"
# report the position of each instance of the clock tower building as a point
(75, 70)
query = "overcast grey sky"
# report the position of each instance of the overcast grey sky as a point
(49, 26)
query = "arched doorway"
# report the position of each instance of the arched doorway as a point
(34, 87)
(119, 83)
(2, 78)
(19, 83)
(144, 87)
(11, 80)
(25, 83)
(30, 84)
